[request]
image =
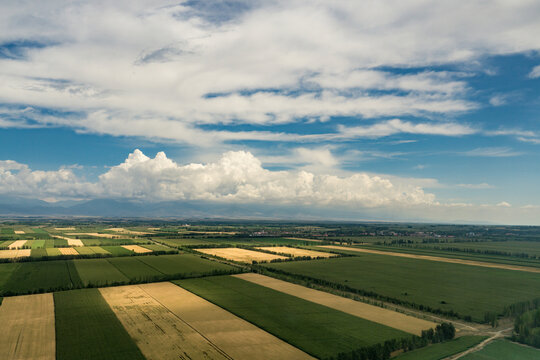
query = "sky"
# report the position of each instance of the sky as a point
(393, 110)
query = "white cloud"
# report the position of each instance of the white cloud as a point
(397, 126)
(476, 186)
(145, 68)
(235, 177)
(535, 72)
(492, 152)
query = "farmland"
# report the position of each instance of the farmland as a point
(466, 290)
(325, 332)
(504, 350)
(86, 328)
(316, 300)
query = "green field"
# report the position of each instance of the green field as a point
(504, 350)
(98, 272)
(38, 244)
(186, 264)
(467, 290)
(38, 253)
(531, 248)
(156, 247)
(41, 276)
(86, 328)
(133, 268)
(442, 350)
(53, 252)
(316, 329)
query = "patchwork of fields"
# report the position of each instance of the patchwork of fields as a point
(467, 290)
(107, 294)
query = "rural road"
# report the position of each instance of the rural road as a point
(495, 336)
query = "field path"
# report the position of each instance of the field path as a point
(495, 336)
(437, 258)
(235, 336)
(28, 328)
(373, 313)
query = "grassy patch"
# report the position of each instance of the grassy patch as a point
(442, 350)
(504, 350)
(86, 328)
(316, 329)
(467, 290)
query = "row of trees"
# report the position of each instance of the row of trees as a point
(443, 332)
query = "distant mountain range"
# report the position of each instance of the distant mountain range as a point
(14, 206)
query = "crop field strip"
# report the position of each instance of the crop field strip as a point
(28, 327)
(136, 249)
(318, 330)
(70, 241)
(295, 252)
(466, 290)
(365, 311)
(13, 254)
(241, 255)
(504, 350)
(17, 244)
(52, 275)
(158, 332)
(436, 258)
(87, 328)
(442, 350)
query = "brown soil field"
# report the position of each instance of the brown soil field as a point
(158, 332)
(28, 328)
(236, 337)
(10, 254)
(373, 313)
(71, 242)
(108, 236)
(440, 259)
(137, 249)
(68, 251)
(19, 232)
(296, 252)
(65, 229)
(242, 255)
(154, 229)
(17, 244)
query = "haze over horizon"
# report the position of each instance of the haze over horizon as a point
(418, 110)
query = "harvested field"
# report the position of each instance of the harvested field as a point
(236, 337)
(295, 252)
(369, 312)
(65, 229)
(68, 251)
(242, 255)
(27, 327)
(19, 232)
(12, 254)
(158, 332)
(437, 258)
(17, 244)
(70, 241)
(137, 249)
(108, 236)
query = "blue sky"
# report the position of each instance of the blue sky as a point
(418, 110)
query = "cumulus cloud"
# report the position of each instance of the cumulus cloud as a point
(235, 177)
